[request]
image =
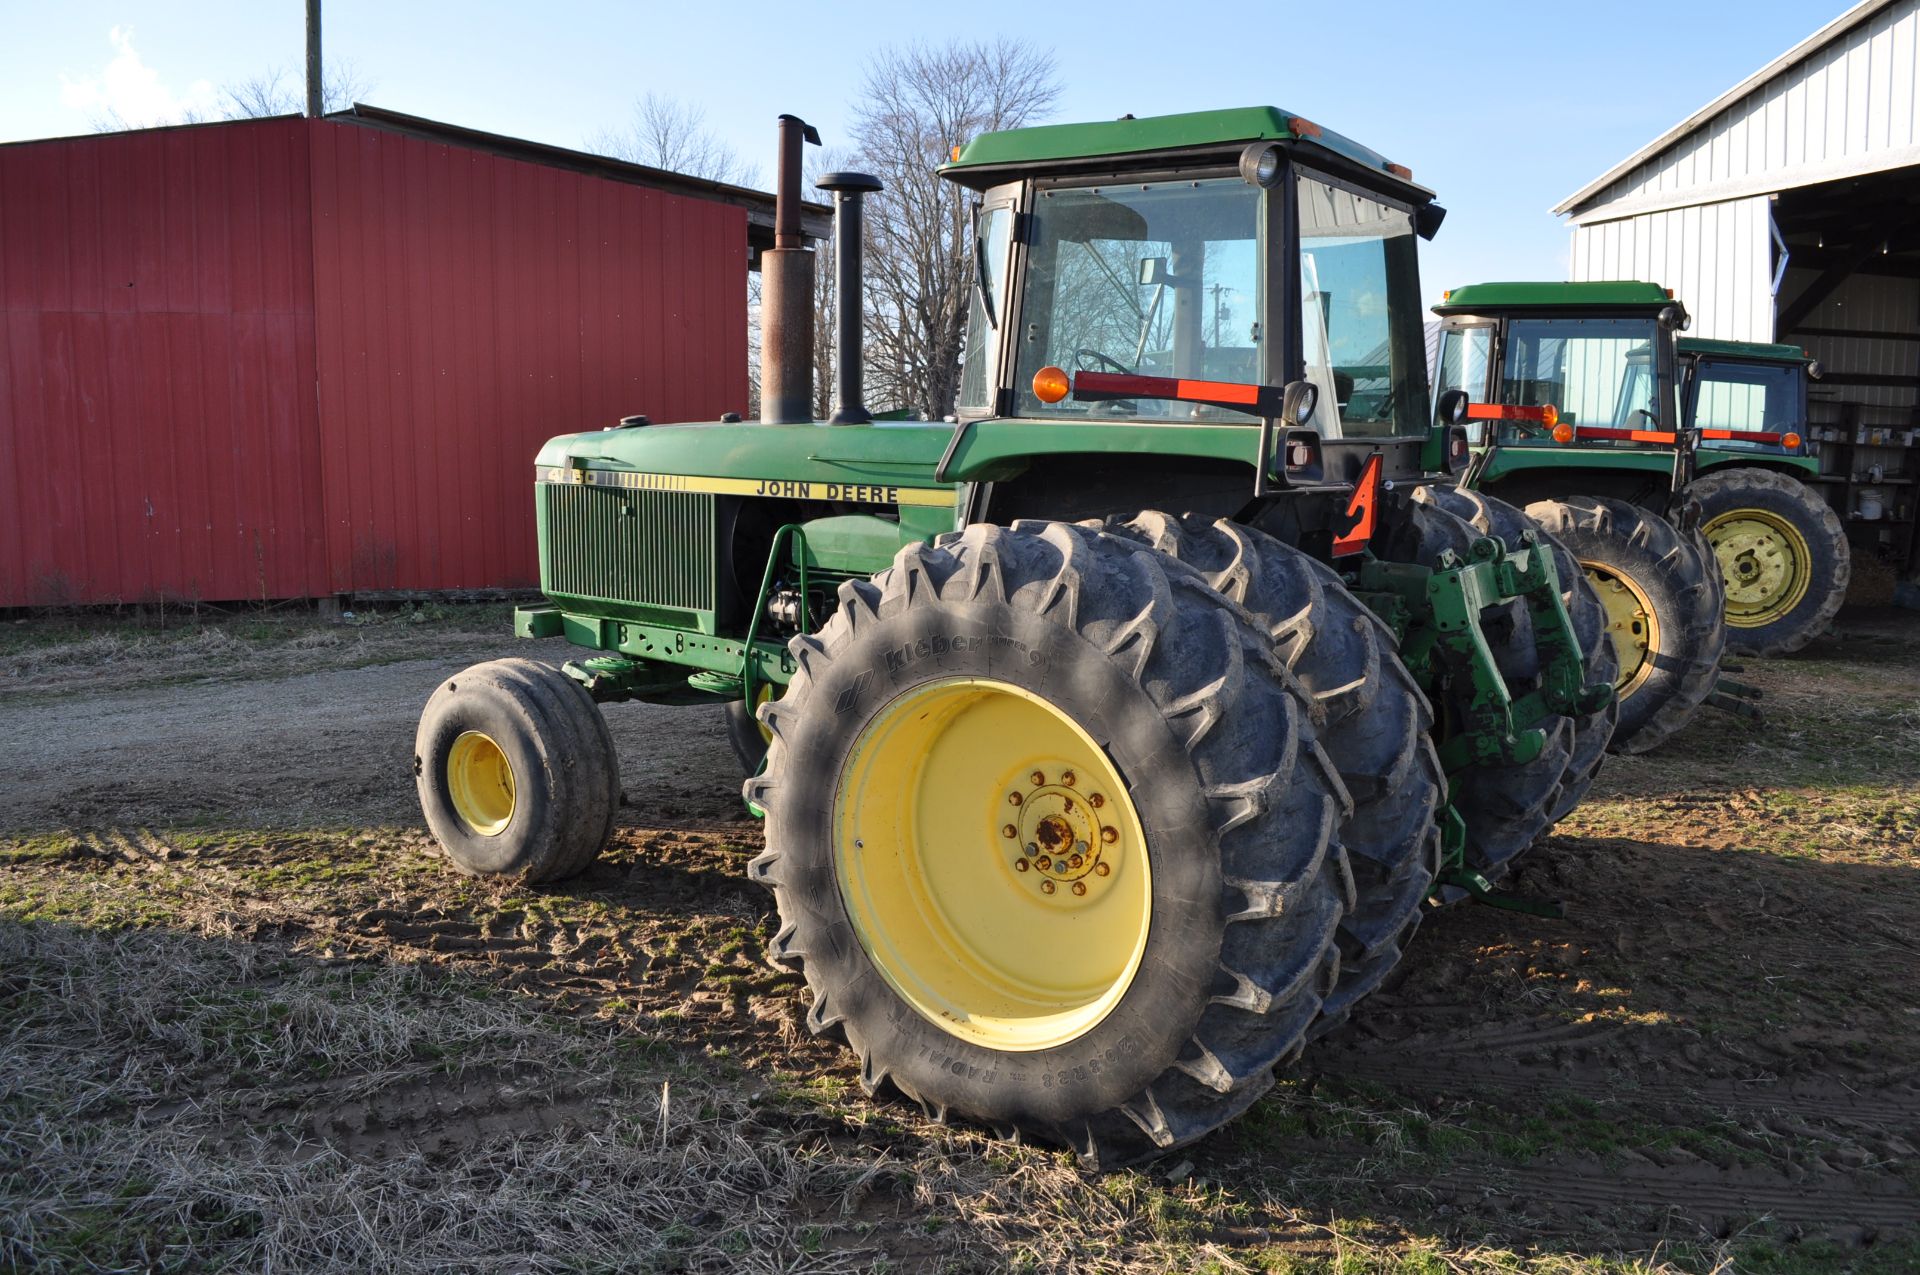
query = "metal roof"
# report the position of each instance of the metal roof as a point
(816, 219)
(1832, 31)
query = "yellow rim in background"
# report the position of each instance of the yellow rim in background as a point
(480, 781)
(765, 692)
(1632, 625)
(992, 863)
(1766, 562)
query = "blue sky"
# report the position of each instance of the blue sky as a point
(1502, 107)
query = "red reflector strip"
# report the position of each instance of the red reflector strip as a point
(1166, 387)
(1742, 435)
(1627, 435)
(1505, 412)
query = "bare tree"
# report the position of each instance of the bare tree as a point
(665, 132)
(279, 92)
(918, 102)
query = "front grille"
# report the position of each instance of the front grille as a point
(613, 544)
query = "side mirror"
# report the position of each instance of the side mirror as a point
(1427, 219)
(1153, 270)
(1453, 408)
(1297, 402)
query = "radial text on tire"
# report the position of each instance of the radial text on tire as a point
(1052, 840)
(1782, 552)
(516, 772)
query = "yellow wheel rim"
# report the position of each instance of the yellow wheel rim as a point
(1766, 563)
(993, 864)
(1632, 625)
(480, 781)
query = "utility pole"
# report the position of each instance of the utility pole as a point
(316, 98)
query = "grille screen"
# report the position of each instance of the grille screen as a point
(655, 548)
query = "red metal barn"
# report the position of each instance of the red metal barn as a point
(289, 357)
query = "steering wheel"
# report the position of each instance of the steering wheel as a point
(1082, 354)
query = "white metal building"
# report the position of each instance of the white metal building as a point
(1788, 209)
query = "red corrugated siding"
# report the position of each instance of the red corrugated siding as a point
(469, 307)
(284, 358)
(156, 311)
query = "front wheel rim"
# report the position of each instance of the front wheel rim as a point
(480, 782)
(1633, 626)
(992, 863)
(1765, 561)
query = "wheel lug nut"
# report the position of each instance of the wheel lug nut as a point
(1079, 887)
(1013, 799)
(1020, 865)
(1068, 778)
(1045, 862)
(1109, 835)
(1095, 800)
(1009, 831)
(1046, 887)
(1032, 849)
(1101, 869)
(1039, 778)
(1074, 862)
(1081, 846)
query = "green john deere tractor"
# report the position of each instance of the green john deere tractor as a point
(1609, 358)
(1119, 728)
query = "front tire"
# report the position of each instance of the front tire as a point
(945, 703)
(1782, 552)
(516, 772)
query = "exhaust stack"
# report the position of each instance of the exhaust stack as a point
(786, 293)
(849, 219)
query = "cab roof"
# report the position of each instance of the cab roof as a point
(1760, 350)
(1479, 298)
(992, 158)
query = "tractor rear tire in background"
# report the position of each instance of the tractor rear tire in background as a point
(1782, 552)
(1662, 611)
(1053, 841)
(1373, 722)
(516, 771)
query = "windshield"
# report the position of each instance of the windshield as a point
(1360, 313)
(1749, 397)
(1595, 371)
(1156, 278)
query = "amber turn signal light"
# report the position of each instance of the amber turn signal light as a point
(1050, 384)
(1563, 433)
(1790, 441)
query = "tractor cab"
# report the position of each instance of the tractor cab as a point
(1551, 364)
(1747, 398)
(1187, 271)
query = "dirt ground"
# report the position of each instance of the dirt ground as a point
(248, 1017)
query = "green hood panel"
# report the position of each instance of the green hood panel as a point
(898, 453)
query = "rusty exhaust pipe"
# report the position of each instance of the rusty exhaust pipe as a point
(786, 293)
(849, 218)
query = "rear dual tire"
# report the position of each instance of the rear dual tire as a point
(981, 669)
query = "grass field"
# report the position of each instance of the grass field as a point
(250, 1021)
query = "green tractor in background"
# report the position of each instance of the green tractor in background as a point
(1119, 728)
(1661, 422)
